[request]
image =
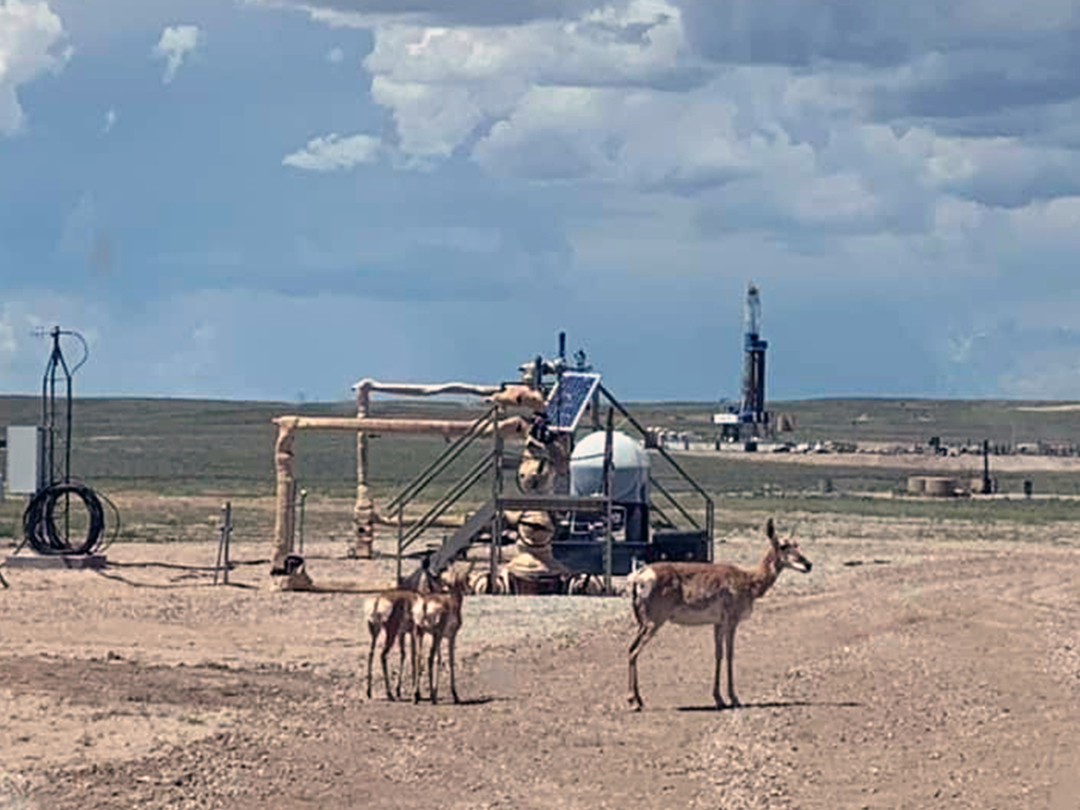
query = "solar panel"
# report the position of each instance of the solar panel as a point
(569, 399)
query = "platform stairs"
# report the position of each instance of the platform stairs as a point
(486, 522)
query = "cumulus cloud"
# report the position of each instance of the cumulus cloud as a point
(335, 153)
(176, 44)
(29, 36)
(844, 118)
(110, 120)
(366, 13)
(922, 139)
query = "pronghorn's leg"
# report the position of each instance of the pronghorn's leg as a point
(730, 644)
(371, 655)
(645, 633)
(718, 636)
(413, 659)
(388, 645)
(434, 659)
(401, 661)
(418, 664)
(450, 644)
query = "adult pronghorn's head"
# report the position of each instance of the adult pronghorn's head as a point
(787, 552)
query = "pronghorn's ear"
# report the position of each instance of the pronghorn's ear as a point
(770, 532)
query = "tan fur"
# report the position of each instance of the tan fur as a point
(438, 616)
(719, 594)
(390, 615)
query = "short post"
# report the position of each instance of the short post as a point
(222, 564)
(496, 496)
(609, 436)
(300, 524)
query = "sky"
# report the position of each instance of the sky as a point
(271, 199)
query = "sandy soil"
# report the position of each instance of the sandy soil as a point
(921, 664)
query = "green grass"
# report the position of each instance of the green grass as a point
(1033, 512)
(890, 420)
(225, 449)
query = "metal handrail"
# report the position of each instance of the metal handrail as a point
(665, 521)
(709, 506)
(675, 503)
(448, 499)
(448, 456)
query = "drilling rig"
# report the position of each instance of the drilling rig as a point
(748, 419)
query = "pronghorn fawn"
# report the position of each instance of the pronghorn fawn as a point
(705, 593)
(390, 614)
(438, 615)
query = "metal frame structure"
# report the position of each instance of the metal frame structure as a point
(490, 424)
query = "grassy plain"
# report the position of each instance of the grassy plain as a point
(170, 463)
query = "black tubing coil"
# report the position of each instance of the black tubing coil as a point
(39, 520)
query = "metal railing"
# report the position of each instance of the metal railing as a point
(709, 506)
(492, 460)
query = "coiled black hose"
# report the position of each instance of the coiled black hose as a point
(39, 520)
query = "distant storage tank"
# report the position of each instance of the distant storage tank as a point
(630, 468)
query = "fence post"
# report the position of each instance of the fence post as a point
(222, 563)
(228, 540)
(300, 526)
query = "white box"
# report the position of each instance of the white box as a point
(25, 459)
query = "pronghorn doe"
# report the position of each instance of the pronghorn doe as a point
(390, 613)
(705, 593)
(438, 615)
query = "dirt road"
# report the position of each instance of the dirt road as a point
(948, 678)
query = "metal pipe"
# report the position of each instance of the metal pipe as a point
(496, 492)
(415, 390)
(609, 442)
(515, 426)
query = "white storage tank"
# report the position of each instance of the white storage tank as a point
(630, 468)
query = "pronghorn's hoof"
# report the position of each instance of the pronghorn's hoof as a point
(734, 702)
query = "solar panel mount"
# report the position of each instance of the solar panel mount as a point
(568, 400)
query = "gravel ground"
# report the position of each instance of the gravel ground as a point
(938, 671)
